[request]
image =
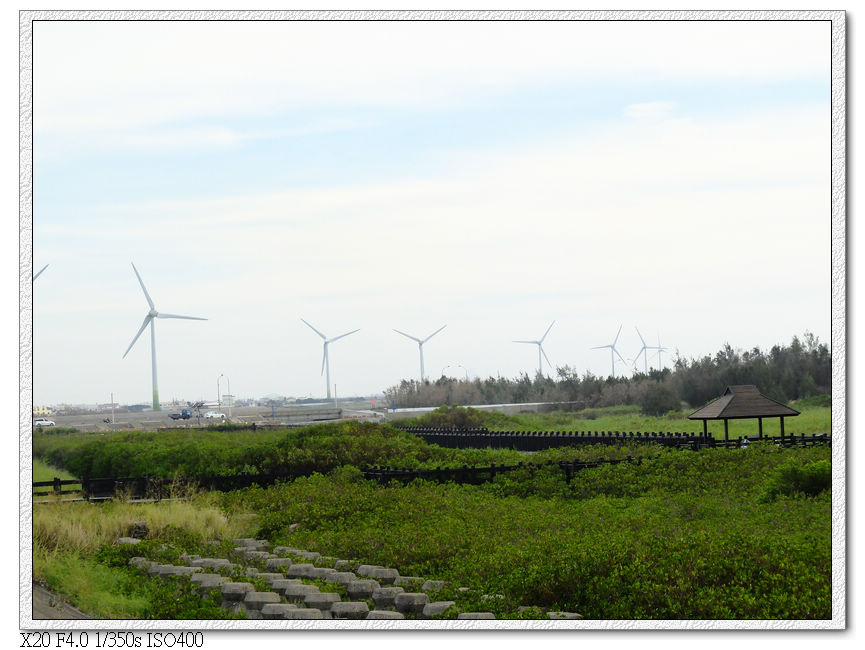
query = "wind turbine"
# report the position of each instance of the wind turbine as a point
(40, 272)
(613, 351)
(420, 345)
(325, 361)
(541, 349)
(149, 319)
(659, 349)
(643, 352)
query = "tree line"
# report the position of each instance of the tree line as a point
(784, 373)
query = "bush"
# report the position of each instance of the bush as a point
(659, 399)
(794, 478)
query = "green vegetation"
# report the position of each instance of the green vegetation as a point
(45, 472)
(801, 370)
(813, 419)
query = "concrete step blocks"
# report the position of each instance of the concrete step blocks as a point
(187, 559)
(384, 615)
(353, 611)
(340, 577)
(432, 585)
(366, 570)
(275, 611)
(297, 593)
(311, 556)
(277, 563)
(185, 570)
(384, 575)
(342, 565)
(320, 572)
(563, 616)
(384, 597)
(298, 570)
(285, 550)
(411, 603)
(321, 600)
(250, 572)
(235, 591)
(140, 562)
(279, 586)
(475, 616)
(154, 569)
(326, 561)
(126, 540)
(255, 600)
(207, 581)
(255, 555)
(437, 608)
(270, 578)
(362, 589)
(244, 541)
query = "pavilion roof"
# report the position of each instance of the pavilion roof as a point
(739, 402)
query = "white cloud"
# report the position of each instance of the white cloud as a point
(649, 110)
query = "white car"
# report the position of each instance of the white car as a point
(42, 422)
(214, 415)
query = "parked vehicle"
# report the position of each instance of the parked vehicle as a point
(42, 422)
(214, 415)
(185, 414)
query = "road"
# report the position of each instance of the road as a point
(48, 605)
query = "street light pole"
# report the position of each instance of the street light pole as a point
(218, 400)
(230, 396)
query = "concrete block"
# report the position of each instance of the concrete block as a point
(437, 608)
(277, 563)
(326, 561)
(410, 603)
(270, 578)
(126, 540)
(185, 570)
(366, 570)
(349, 610)
(563, 616)
(298, 570)
(255, 555)
(302, 613)
(384, 575)
(207, 581)
(312, 556)
(340, 577)
(279, 586)
(258, 599)
(285, 550)
(320, 572)
(383, 615)
(342, 565)
(187, 559)
(475, 616)
(274, 611)
(244, 541)
(362, 589)
(384, 597)
(296, 593)
(432, 585)
(154, 569)
(250, 572)
(235, 591)
(140, 562)
(321, 600)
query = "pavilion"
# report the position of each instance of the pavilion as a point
(739, 403)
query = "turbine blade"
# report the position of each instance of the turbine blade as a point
(143, 288)
(545, 355)
(40, 272)
(337, 338)
(323, 358)
(535, 342)
(315, 330)
(146, 322)
(616, 340)
(161, 315)
(548, 331)
(641, 337)
(434, 333)
(600, 347)
(619, 355)
(408, 335)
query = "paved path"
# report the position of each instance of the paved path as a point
(47, 605)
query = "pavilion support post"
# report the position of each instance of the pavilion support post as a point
(726, 431)
(782, 426)
(705, 428)
(760, 427)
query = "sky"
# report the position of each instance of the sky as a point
(493, 177)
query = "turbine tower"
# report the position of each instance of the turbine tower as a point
(40, 272)
(420, 345)
(659, 349)
(613, 351)
(325, 361)
(643, 352)
(149, 319)
(541, 348)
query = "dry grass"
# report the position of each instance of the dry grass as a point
(84, 527)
